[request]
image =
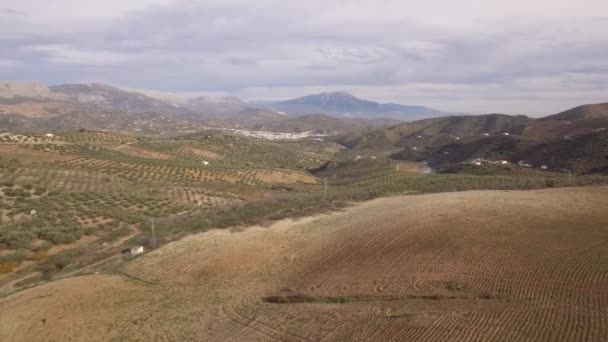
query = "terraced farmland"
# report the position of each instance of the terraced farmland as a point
(75, 191)
(463, 266)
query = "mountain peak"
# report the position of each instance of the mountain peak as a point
(342, 103)
(337, 94)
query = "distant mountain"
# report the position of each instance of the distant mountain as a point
(10, 89)
(211, 105)
(111, 98)
(203, 105)
(344, 104)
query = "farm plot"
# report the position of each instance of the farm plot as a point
(90, 311)
(468, 266)
(140, 152)
(197, 153)
(198, 196)
(96, 137)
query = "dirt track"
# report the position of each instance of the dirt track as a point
(469, 266)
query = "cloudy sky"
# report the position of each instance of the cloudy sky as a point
(518, 56)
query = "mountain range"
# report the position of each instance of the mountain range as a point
(96, 106)
(576, 139)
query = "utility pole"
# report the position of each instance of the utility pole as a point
(153, 239)
(569, 177)
(325, 187)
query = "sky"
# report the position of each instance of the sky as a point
(517, 57)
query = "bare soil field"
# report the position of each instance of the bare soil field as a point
(464, 266)
(136, 151)
(199, 153)
(28, 155)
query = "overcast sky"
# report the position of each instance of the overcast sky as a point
(519, 56)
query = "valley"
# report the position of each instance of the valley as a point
(303, 171)
(127, 217)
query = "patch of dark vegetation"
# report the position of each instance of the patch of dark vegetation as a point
(293, 298)
(455, 286)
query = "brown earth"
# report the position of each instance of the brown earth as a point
(29, 155)
(200, 152)
(29, 110)
(468, 266)
(143, 153)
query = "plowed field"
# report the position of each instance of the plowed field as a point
(466, 266)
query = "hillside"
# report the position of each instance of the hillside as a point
(575, 121)
(411, 268)
(572, 140)
(250, 118)
(345, 104)
(110, 98)
(11, 89)
(429, 132)
(316, 123)
(208, 105)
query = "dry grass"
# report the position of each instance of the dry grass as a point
(469, 266)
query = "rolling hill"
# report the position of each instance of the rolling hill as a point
(430, 132)
(575, 140)
(465, 266)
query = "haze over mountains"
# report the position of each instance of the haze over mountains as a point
(33, 106)
(574, 139)
(344, 104)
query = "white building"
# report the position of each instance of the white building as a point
(136, 250)
(50, 135)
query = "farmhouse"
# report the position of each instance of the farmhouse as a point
(49, 135)
(136, 250)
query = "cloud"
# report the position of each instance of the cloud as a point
(490, 56)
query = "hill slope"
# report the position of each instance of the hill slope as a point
(572, 140)
(429, 132)
(478, 265)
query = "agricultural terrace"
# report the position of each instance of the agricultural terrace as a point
(73, 199)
